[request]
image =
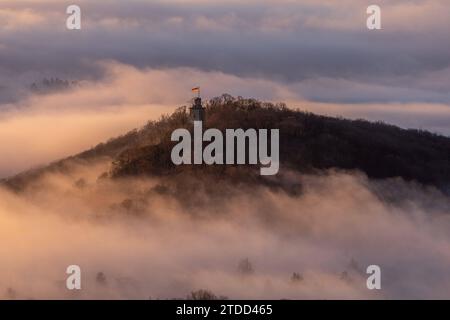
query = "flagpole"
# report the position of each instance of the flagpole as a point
(197, 89)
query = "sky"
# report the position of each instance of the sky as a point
(136, 60)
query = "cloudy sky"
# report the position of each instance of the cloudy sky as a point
(135, 60)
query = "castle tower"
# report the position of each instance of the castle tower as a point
(197, 111)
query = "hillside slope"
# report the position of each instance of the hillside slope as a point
(308, 143)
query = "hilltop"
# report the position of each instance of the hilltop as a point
(309, 143)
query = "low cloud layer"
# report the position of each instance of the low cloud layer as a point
(156, 248)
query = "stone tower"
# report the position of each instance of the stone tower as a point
(197, 111)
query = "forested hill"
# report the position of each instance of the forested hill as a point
(308, 143)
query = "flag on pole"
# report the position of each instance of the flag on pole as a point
(196, 89)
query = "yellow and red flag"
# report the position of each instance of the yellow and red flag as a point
(197, 90)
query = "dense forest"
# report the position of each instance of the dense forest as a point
(308, 143)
